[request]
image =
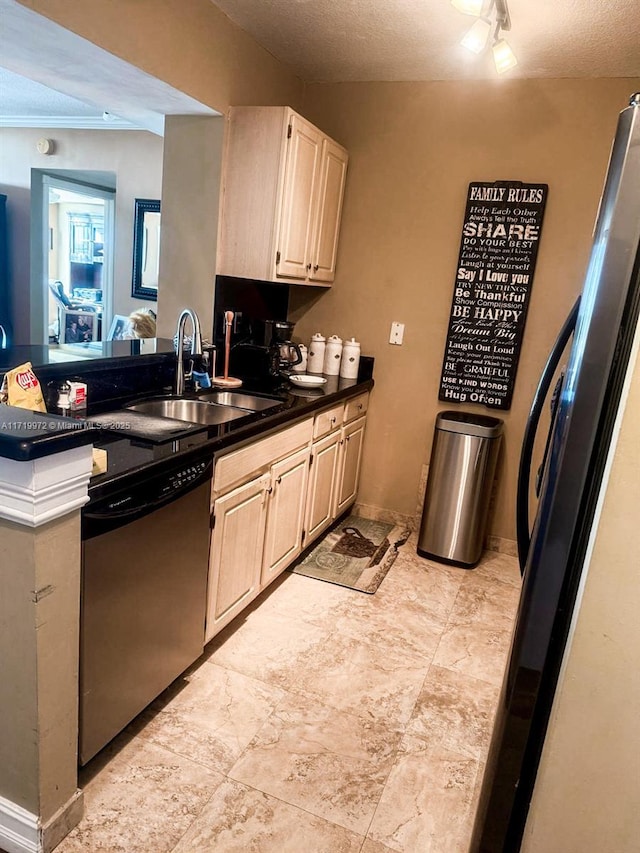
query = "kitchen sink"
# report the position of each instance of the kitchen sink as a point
(241, 400)
(195, 411)
(216, 407)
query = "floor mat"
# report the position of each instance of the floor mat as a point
(357, 553)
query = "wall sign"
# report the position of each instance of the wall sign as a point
(497, 259)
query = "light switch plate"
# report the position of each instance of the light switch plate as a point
(397, 333)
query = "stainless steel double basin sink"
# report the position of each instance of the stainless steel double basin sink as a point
(215, 407)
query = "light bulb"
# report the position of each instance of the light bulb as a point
(469, 7)
(476, 38)
(503, 56)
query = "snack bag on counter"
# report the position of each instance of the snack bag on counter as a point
(23, 388)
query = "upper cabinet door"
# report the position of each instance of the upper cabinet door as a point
(282, 189)
(333, 174)
(302, 168)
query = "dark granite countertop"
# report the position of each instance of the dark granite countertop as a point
(129, 456)
(26, 435)
(114, 379)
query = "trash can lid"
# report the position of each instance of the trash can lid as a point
(469, 423)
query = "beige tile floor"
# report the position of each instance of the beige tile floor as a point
(322, 720)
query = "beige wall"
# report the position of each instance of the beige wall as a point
(414, 148)
(135, 157)
(587, 791)
(191, 194)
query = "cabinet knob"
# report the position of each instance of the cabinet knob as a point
(315, 269)
(278, 481)
(359, 407)
(347, 438)
(333, 419)
(308, 266)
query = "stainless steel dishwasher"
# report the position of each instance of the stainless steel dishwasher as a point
(145, 553)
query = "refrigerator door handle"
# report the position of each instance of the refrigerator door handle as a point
(553, 406)
(524, 473)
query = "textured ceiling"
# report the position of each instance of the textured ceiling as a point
(19, 96)
(49, 72)
(24, 98)
(347, 40)
(359, 40)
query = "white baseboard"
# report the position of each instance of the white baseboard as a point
(22, 832)
(19, 830)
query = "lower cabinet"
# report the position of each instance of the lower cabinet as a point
(235, 563)
(257, 519)
(335, 465)
(325, 456)
(273, 497)
(352, 439)
(285, 514)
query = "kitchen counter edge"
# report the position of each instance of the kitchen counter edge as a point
(261, 425)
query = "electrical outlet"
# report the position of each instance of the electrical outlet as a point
(397, 333)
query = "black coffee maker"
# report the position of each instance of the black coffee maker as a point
(266, 353)
(279, 334)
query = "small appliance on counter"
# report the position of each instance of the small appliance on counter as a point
(280, 333)
(302, 366)
(267, 353)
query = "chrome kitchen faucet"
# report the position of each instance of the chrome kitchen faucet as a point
(196, 346)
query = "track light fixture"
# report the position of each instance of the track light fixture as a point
(469, 7)
(491, 14)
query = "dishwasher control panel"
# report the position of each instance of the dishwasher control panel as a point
(183, 476)
(143, 495)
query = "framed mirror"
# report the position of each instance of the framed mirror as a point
(146, 249)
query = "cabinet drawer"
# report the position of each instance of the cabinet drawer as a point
(356, 407)
(327, 421)
(240, 465)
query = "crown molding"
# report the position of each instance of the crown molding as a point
(69, 122)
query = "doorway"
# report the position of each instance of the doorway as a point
(72, 259)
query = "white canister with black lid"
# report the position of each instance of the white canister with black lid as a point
(350, 359)
(315, 357)
(332, 356)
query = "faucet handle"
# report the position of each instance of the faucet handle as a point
(209, 359)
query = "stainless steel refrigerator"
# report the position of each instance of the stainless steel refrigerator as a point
(585, 406)
(5, 302)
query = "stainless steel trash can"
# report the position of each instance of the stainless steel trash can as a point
(461, 473)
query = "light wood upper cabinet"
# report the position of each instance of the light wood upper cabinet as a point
(333, 174)
(297, 218)
(282, 193)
